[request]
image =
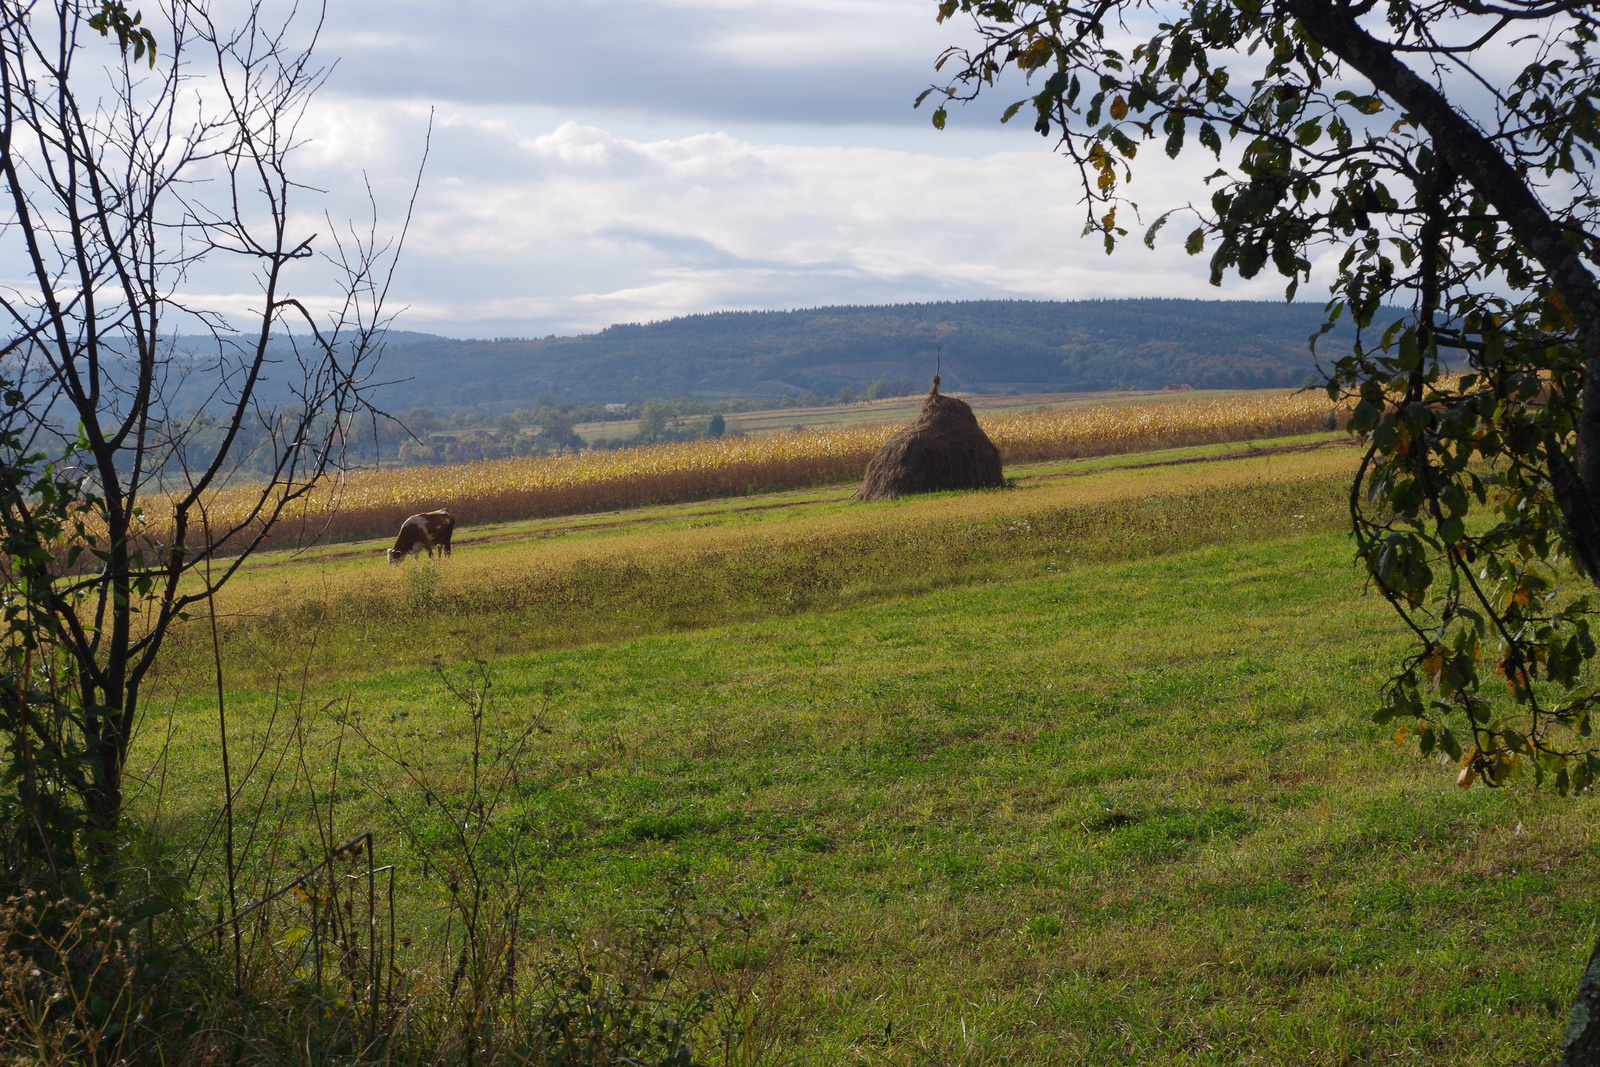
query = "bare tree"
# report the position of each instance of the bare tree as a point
(140, 160)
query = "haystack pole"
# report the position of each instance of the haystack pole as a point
(944, 448)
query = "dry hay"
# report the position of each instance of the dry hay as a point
(944, 449)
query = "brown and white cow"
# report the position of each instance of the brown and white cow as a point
(429, 530)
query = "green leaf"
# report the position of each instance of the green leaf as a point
(939, 117)
(1364, 417)
(148, 909)
(1448, 742)
(1387, 433)
(114, 17)
(1155, 228)
(1410, 357)
(1196, 241)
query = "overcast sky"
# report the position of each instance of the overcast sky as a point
(601, 161)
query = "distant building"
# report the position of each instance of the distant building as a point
(1177, 388)
(616, 407)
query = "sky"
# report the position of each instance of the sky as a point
(603, 161)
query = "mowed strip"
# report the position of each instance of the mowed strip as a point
(513, 590)
(494, 554)
(369, 503)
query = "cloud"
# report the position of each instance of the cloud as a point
(806, 61)
(572, 228)
(619, 160)
(623, 160)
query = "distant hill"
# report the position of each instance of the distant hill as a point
(988, 346)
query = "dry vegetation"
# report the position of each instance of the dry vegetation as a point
(374, 503)
(561, 582)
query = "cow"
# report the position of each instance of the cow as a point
(429, 530)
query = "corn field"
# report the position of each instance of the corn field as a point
(373, 503)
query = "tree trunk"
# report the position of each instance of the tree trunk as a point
(1582, 1045)
(1481, 164)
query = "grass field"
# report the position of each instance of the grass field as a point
(572, 579)
(1077, 772)
(372, 503)
(902, 409)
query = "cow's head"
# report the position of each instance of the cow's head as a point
(395, 556)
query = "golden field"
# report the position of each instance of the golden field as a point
(515, 587)
(373, 503)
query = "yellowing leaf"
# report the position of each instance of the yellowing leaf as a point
(1036, 54)
(1434, 664)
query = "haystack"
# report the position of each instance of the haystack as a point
(944, 449)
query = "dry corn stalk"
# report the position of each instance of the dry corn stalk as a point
(372, 503)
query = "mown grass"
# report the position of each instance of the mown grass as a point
(1102, 794)
(520, 587)
(373, 503)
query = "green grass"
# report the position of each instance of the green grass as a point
(905, 408)
(1128, 808)
(789, 504)
(520, 587)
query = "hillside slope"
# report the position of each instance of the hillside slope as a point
(988, 346)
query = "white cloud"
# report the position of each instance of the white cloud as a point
(616, 160)
(573, 227)
(612, 160)
(829, 62)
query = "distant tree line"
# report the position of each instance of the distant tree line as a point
(426, 436)
(745, 360)
(813, 356)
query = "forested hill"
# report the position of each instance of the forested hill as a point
(988, 346)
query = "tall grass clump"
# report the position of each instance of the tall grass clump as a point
(373, 503)
(287, 938)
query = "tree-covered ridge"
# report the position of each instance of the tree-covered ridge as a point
(986, 345)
